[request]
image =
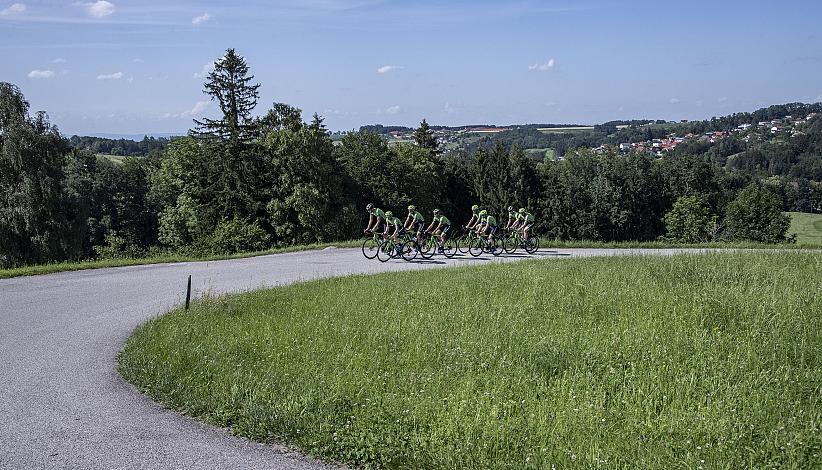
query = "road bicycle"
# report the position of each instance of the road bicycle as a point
(484, 244)
(464, 239)
(429, 244)
(371, 245)
(513, 240)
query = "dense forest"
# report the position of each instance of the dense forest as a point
(249, 181)
(119, 147)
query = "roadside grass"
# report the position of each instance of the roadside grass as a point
(165, 258)
(690, 361)
(807, 227)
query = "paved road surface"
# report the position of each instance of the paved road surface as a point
(62, 403)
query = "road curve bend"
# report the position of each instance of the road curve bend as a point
(62, 402)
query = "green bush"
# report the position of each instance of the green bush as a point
(690, 221)
(119, 246)
(756, 215)
(237, 235)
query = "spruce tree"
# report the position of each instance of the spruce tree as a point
(424, 137)
(230, 85)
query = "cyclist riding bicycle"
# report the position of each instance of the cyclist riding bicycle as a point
(488, 225)
(472, 223)
(512, 218)
(443, 225)
(415, 221)
(391, 221)
(526, 221)
(375, 216)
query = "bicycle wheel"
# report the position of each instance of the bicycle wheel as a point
(386, 251)
(370, 248)
(532, 245)
(462, 244)
(450, 248)
(509, 245)
(408, 250)
(428, 248)
(475, 247)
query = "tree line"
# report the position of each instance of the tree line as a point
(244, 182)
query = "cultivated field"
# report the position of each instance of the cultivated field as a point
(807, 227)
(711, 361)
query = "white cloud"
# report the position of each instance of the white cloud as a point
(393, 109)
(207, 68)
(674, 100)
(198, 109)
(130, 79)
(58, 60)
(110, 76)
(137, 60)
(41, 74)
(13, 9)
(388, 68)
(200, 19)
(543, 67)
(98, 9)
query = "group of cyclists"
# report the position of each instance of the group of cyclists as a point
(481, 224)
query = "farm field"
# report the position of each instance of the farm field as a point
(565, 130)
(807, 227)
(629, 362)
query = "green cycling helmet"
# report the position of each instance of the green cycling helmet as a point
(521, 210)
(436, 211)
(483, 212)
(389, 214)
(412, 208)
(474, 208)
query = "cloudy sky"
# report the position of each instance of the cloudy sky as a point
(117, 66)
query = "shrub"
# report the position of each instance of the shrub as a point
(690, 221)
(237, 235)
(119, 246)
(756, 214)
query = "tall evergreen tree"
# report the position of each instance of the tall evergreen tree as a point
(424, 137)
(230, 85)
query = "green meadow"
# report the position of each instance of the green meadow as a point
(688, 361)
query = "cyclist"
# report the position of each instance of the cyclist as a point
(415, 221)
(474, 217)
(375, 216)
(393, 222)
(488, 225)
(443, 225)
(526, 221)
(512, 218)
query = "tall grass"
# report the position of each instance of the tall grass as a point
(693, 361)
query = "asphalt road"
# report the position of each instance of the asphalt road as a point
(62, 402)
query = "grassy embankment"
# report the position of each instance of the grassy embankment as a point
(693, 361)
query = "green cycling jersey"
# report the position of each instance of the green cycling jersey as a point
(378, 213)
(393, 221)
(490, 220)
(442, 219)
(526, 217)
(417, 217)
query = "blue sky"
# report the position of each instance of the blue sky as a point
(122, 66)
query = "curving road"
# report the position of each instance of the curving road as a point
(62, 402)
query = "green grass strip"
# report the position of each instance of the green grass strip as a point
(711, 361)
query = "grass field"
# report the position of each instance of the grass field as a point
(711, 361)
(807, 227)
(565, 130)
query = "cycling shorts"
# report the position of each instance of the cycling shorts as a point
(444, 229)
(528, 226)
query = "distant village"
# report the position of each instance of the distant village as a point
(789, 126)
